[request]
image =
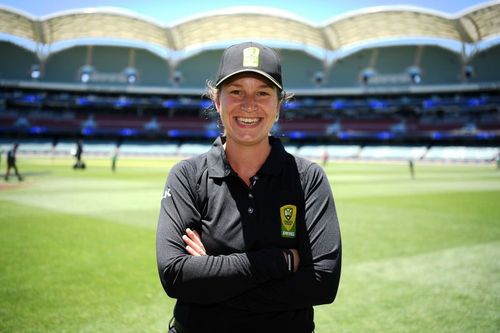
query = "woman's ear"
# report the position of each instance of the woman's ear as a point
(280, 103)
(217, 103)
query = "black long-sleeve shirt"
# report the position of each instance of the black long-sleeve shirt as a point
(243, 284)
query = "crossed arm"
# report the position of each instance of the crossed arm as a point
(194, 246)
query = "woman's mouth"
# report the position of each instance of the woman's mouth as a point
(247, 121)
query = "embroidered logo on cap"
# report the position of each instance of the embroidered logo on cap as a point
(288, 216)
(251, 57)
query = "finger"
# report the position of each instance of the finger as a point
(190, 243)
(195, 241)
(192, 252)
(193, 245)
(193, 234)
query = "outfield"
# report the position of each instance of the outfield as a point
(78, 248)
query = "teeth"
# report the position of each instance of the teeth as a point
(248, 121)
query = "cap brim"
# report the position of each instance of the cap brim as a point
(267, 76)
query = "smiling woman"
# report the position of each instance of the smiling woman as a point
(248, 238)
(248, 99)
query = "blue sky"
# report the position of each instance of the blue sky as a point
(167, 11)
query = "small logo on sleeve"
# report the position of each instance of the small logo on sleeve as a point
(166, 193)
(288, 215)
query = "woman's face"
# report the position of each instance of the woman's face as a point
(248, 105)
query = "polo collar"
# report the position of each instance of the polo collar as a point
(218, 167)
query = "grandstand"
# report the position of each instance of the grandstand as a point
(407, 77)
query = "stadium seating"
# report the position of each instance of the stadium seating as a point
(374, 92)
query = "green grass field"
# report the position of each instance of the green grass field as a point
(422, 255)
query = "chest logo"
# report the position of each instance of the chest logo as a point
(288, 215)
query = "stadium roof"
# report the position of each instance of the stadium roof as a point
(475, 25)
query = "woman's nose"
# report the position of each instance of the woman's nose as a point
(249, 104)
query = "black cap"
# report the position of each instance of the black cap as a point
(250, 57)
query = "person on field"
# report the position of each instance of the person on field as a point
(11, 163)
(248, 238)
(325, 157)
(53, 147)
(411, 166)
(114, 157)
(79, 163)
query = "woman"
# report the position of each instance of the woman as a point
(248, 238)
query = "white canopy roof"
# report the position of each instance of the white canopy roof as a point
(474, 25)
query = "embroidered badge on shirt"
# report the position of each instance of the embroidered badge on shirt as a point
(251, 57)
(288, 215)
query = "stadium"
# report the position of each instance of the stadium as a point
(433, 82)
(373, 89)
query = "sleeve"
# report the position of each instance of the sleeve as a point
(317, 280)
(206, 279)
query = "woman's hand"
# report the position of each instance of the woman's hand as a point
(193, 243)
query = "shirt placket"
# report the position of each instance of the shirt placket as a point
(251, 195)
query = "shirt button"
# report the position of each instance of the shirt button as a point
(250, 210)
(250, 195)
